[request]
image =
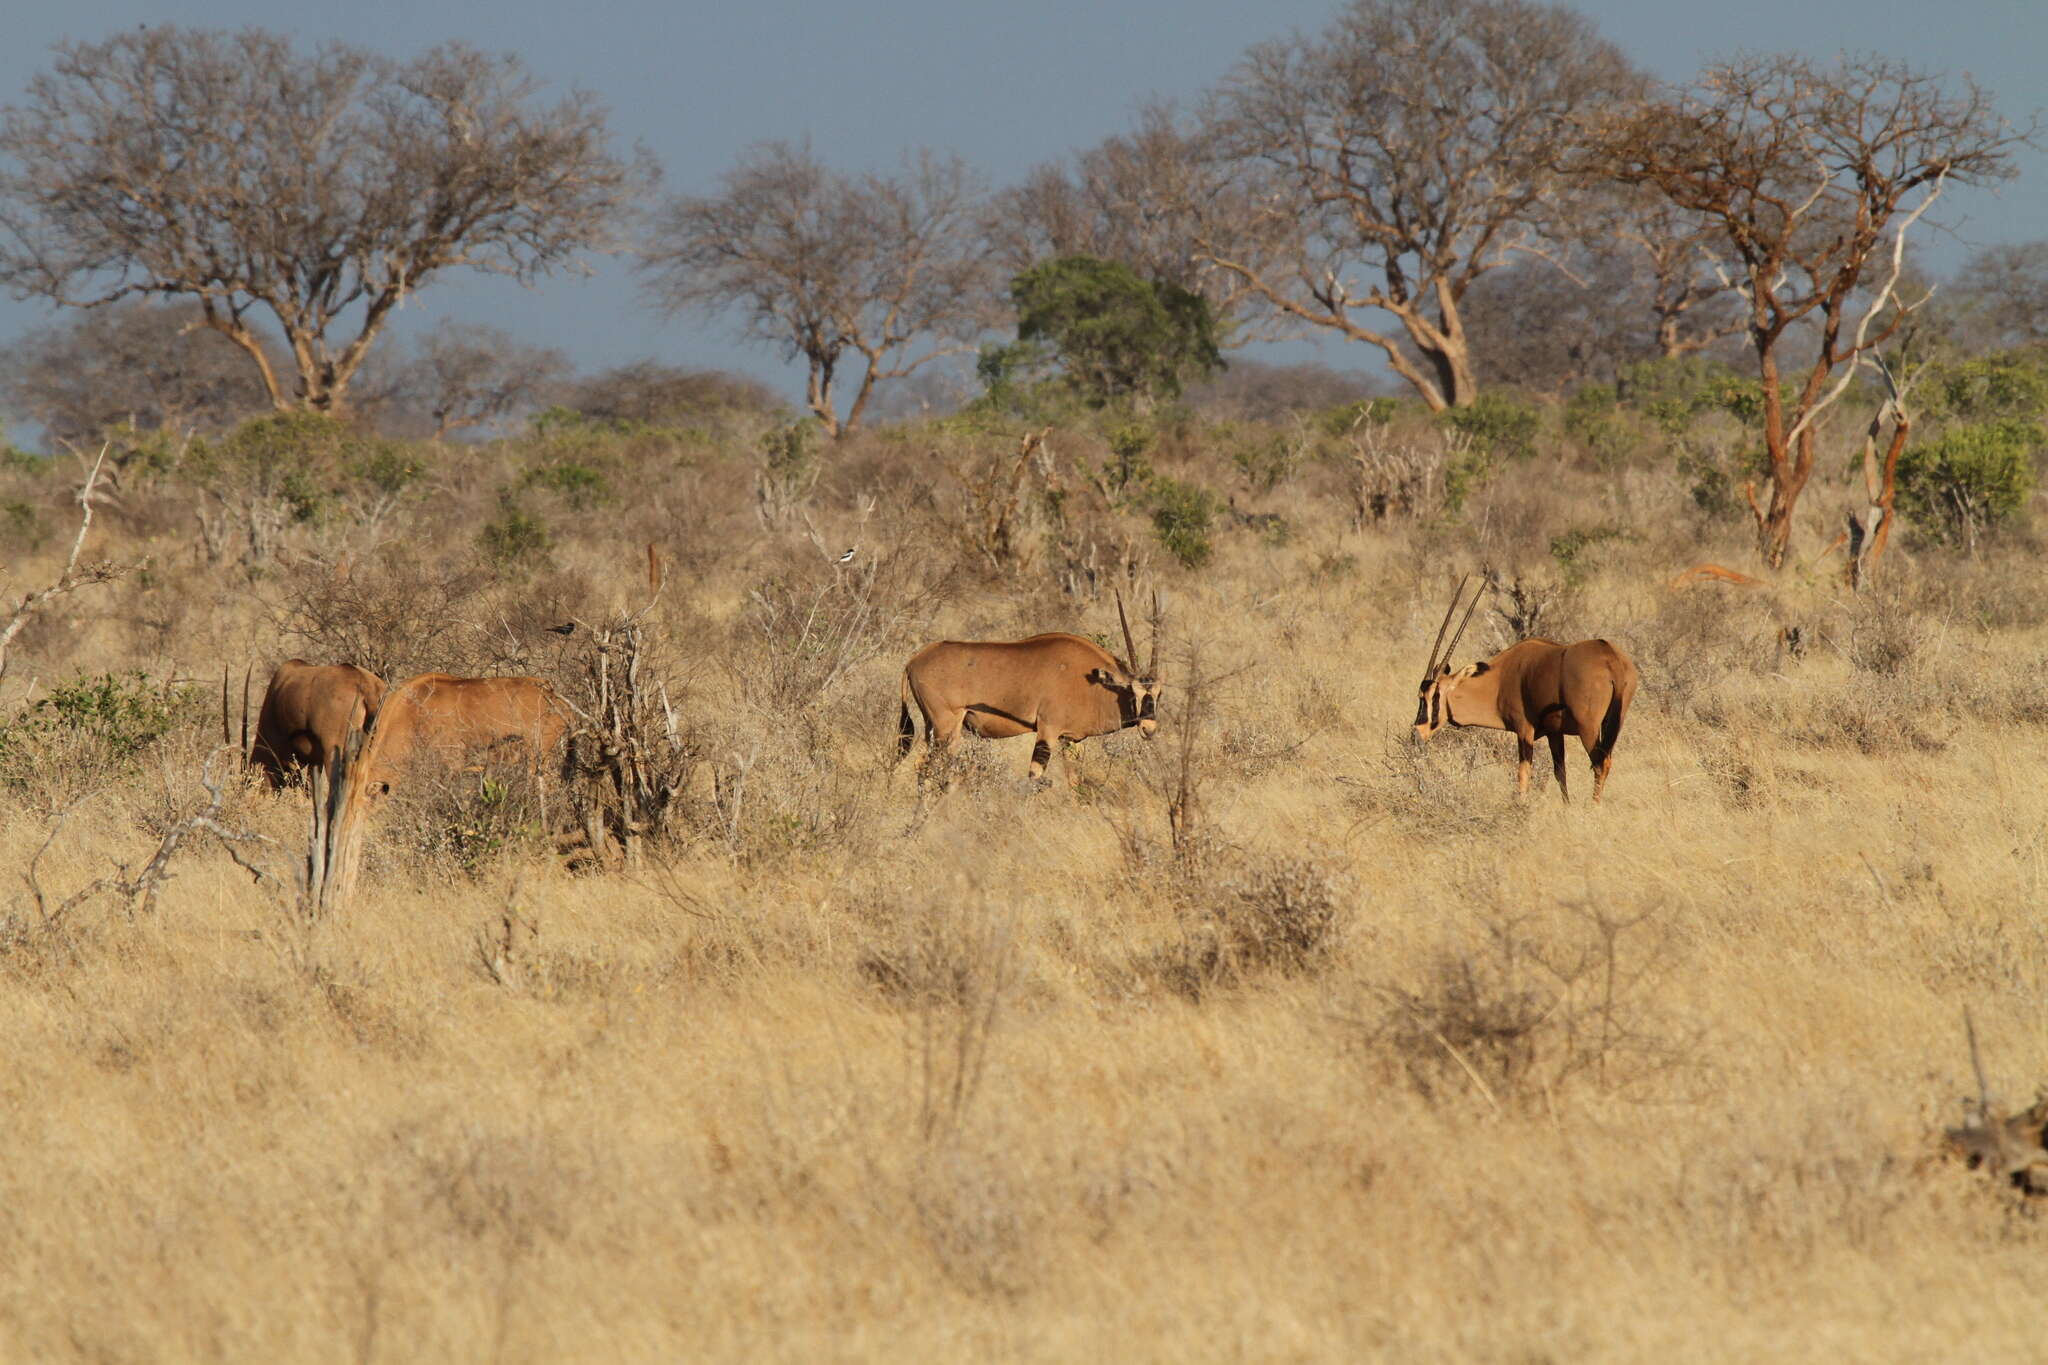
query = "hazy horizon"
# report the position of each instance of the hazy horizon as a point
(1006, 89)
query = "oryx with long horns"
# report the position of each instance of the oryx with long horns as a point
(1059, 687)
(1534, 687)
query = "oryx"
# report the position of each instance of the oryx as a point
(1059, 687)
(1534, 687)
(436, 717)
(307, 713)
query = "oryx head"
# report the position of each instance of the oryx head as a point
(1137, 692)
(1432, 697)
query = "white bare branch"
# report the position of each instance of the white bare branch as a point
(72, 578)
(1885, 295)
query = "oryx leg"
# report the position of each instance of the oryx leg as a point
(1600, 771)
(1590, 737)
(1557, 765)
(1525, 757)
(941, 731)
(1041, 750)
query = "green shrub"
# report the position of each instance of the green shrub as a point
(1712, 490)
(126, 712)
(1496, 424)
(1570, 549)
(1183, 516)
(515, 538)
(1974, 477)
(388, 467)
(2006, 385)
(105, 718)
(1673, 392)
(1266, 461)
(1463, 473)
(577, 484)
(21, 526)
(1346, 417)
(315, 467)
(1128, 476)
(1589, 410)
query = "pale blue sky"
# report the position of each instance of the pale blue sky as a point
(1007, 86)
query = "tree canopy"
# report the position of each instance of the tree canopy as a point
(1115, 336)
(322, 187)
(891, 269)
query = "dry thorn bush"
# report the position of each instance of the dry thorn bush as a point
(1518, 1015)
(1247, 917)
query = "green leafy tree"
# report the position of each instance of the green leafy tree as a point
(1976, 476)
(1117, 337)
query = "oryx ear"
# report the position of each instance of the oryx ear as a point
(1101, 677)
(1474, 670)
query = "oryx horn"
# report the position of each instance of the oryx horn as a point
(1430, 667)
(1152, 657)
(248, 746)
(1465, 621)
(1130, 645)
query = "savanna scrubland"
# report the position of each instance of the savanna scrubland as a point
(1279, 1037)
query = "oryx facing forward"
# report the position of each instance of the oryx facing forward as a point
(1533, 687)
(1059, 687)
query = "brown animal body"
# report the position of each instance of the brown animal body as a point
(1056, 686)
(307, 712)
(436, 718)
(1534, 688)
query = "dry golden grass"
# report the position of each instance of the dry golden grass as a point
(1383, 1065)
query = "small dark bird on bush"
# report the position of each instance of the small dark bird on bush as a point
(566, 628)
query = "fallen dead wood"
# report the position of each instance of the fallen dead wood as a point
(1714, 573)
(2012, 1148)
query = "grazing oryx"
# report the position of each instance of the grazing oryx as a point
(1058, 687)
(436, 717)
(307, 712)
(1535, 687)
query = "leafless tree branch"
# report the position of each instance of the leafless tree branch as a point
(322, 187)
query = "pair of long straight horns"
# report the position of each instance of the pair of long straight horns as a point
(1130, 645)
(1436, 659)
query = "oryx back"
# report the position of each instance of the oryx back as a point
(437, 718)
(307, 712)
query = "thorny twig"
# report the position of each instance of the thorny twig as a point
(72, 578)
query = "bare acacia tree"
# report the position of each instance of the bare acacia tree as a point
(1679, 261)
(1401, 154)
(1637, 282)
(893, 270)
(1811, 176)
(151, 366)
(1999, 296)
(1146, 200)
(467, 375)
(322, 187)
(649, 391)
